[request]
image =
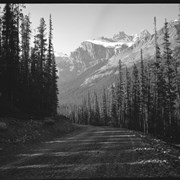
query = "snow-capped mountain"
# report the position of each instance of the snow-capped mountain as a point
(91, 52)
(142, 35)
(87, 55)
(95, 63)
(122, 36)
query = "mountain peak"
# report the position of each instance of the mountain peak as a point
(143, 34)
(122, 36)
(144, 31)
(122, 33)
(105, 39)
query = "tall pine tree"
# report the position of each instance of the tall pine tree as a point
(136, 98)
(10, 55)
(120, 94)
(142, 96)
(48, 71)
(104, 108)
(24, 80)
(114, 115)
(42, 48)
(54, 92)
(171, 79)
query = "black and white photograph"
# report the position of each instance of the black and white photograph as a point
(89, 90)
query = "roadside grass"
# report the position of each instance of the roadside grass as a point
(34, 130)
(26, 135)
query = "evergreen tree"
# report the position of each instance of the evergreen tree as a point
(160, 89)
(155, 91)
(54, 92)
(176, 55)
(120, 94)
(149, 71)
(41, 42)
(147, 100)
(136, 98)
(162, 99)
(0, 38)
(1, 62)
(128, 99)
(25, 63)
(104, 108)
(34, 85)
(171, 79)
(85, 111)
(48, 71)
(10, 55)
(96, 110)
(142, 96)
(114, 116)
(89, 108)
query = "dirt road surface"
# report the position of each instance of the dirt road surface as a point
(95, 152)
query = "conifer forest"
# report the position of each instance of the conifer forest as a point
(27, 74)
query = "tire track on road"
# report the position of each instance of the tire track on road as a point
(11, 168)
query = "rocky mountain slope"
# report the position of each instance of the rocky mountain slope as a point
(94, 64)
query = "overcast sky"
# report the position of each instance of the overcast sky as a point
(74, 23)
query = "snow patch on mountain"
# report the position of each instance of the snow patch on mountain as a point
(57, 54)
(120, 39)
(143, 34)
(110, 44)
(122, 36)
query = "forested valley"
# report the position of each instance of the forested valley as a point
(145, 97)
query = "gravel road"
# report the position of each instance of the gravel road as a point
(95, 152)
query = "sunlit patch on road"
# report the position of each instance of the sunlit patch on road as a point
(42, 149)
(88, 141)
(123, 139)
(60, 153)
(26, 167)
(84, 166)
(120, 131)
(30, 155)
(74, 153)
(68, 141)
(116, 135)
(154, 161)
(56, 141)
(107, 142)
(34, 166)
(143, 149)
